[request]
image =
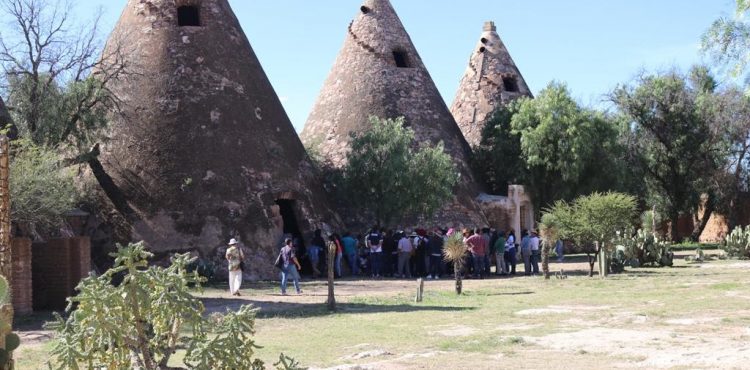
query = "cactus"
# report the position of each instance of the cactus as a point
(737, 243)
(4, 291)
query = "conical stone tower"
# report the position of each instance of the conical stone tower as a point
(491, 81)
(378, 72)
(203, 150)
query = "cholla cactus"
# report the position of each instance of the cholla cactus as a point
(4, 291)
(737, 243)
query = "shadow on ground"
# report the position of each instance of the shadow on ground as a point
(304, 310)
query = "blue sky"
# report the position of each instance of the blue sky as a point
(592, 45)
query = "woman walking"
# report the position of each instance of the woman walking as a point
(290, 267)
(234, 258)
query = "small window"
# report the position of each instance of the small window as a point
(482, 49)
(401, 59)
(364, 9)
(188, 16)
(484, 41)
(510, 84)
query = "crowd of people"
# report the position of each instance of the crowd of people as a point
(383, 253)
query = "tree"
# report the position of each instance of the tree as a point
(41, 190)
(498, 160)
(594, 219)
(391, 179)
(55, 76)
(142, 321)
(728, 41)
(455, 252)
(671, 141)
(568, 150)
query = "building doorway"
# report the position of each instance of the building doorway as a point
(291, 227)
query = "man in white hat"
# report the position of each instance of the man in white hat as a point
(235, 257)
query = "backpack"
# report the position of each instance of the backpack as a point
(374, 239)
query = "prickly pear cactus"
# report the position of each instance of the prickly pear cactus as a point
(737, 243)
(4, 291)
(9, 341)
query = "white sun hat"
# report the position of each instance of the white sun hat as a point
(233, 242)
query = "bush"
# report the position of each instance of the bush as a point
(41, 190)
(643, 248)
(737, 243)
(141, 322)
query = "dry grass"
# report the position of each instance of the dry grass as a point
(689, 316)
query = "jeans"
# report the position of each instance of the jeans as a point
(535, 258)
(235, 280)
(314, 254)
(560, 250)
(511, 260)
(435, 265)
(487, 264)
(337, 264)
(289, 272)
(526, 253)
(375, 263)
(478, 265)
(353, 265)
(403, 264)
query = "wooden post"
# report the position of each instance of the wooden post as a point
(331, 259)
(420, 290)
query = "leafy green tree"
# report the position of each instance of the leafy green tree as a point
(594, 219)
(498, 160)
(41, 190)
(671, 142)
(391, 178)
(728, 40)
(568, 150)
(141, 322)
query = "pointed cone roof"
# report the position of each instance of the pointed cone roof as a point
(379, 72)
(491, 80)
(203, 149)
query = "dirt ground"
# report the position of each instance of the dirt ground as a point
(686, 317)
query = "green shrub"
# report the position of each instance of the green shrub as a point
(141, 322)
(643, 248)
(41, 190)
(737, 243)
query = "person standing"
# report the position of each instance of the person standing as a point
(502, 268)
(535, 252)
(234, 258)
(435, 247)
(375, 245)
(560, 251)
(476, 245)
(510, 252)
(290, 267)
(526, 252)
(487, 250)
(404, 254)
(350, 250)
(339, 255)
(313, 253)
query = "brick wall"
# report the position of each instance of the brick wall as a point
(58, 266)
(22, 286)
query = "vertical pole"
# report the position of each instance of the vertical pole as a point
(6, 267)
(331, 259)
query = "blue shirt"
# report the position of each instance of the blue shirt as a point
(350, 245)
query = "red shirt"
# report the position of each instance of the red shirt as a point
(477, 245)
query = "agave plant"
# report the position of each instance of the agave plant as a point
(454, 252)
(737, 243)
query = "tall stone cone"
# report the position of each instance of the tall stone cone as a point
(378, 72)
(203, 150)
(491, 81)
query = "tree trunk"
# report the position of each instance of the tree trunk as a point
(331, 256)
(545, 260)
(674, 219)
(6, 266)
(459, 282)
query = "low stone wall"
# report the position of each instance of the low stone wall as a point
(22, 276)
(58, 266)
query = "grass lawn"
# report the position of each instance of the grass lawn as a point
(685, 317)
